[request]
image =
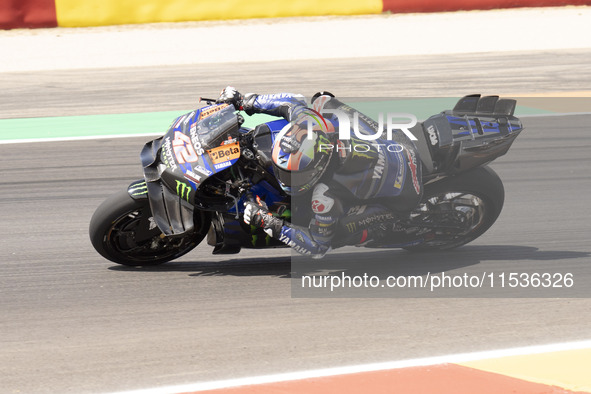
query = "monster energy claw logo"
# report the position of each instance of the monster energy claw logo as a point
(183, 190)
(138, 189)
(351, 227)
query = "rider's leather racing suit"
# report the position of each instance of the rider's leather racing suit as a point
(365, 185)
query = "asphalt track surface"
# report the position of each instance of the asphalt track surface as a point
(74, 322)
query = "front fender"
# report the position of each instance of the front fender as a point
(138, 190)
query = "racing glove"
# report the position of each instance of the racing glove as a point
(241, 102)
(258, 215)
(231, 96)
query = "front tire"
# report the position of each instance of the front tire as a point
(123, 231)
(478, 194)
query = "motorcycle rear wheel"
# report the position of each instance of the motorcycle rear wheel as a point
(123, 231)
(480, 192)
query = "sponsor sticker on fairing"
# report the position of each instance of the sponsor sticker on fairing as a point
(203, 171)
(208, 111)
(412, 164)
(178, 122)
(399, 181)
(223, 165)
(188, 118)
(190, 175)
(167, 156)
(432, 135)
(224, 153)
(195, 140)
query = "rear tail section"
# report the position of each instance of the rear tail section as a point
(477, 131)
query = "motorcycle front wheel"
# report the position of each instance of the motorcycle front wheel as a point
(123, 231)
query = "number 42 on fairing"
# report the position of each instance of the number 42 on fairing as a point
(183, 149)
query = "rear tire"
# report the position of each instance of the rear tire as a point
(485, 186)
(122, 230)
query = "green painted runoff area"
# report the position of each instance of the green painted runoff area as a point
(158, 122)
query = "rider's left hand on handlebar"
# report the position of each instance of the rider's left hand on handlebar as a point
(231, 96)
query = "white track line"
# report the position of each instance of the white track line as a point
(319, 373)
(80, 138)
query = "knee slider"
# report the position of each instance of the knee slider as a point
(321, 202)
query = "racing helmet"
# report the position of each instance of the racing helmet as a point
(301, 153)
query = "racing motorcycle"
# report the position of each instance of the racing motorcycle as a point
(200, 172)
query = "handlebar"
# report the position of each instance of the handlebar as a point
(208, 100)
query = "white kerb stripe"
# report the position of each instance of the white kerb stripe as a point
(318, 373)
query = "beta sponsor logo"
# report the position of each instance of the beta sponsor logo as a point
(224, 153)
(432, 135)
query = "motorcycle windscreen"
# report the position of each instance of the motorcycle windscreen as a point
(202, 142)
